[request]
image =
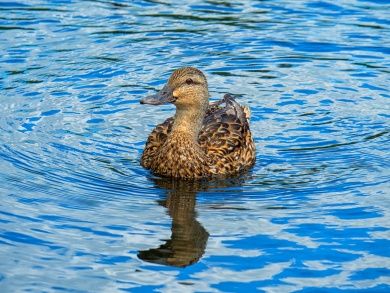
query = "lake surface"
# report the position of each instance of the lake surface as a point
(79, 214)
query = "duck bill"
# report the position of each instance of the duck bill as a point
(164, 96)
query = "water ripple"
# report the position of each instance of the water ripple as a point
(78, 211)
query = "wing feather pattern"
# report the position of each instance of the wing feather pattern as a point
(226, 138)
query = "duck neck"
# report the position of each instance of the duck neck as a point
(188, 123)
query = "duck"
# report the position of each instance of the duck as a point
(202, 140)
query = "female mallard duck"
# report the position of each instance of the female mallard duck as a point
(201, 140)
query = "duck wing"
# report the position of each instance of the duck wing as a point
(226, 137)
(155, 140)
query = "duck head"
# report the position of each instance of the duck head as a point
(186, 88)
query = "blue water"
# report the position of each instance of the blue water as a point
(79, 214)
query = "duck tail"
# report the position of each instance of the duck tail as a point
(247, 112)
(242, 112)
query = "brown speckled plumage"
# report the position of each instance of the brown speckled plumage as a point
(201, 140)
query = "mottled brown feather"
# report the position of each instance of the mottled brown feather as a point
(225, 145)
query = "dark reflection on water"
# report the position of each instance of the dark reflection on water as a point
(189, 238)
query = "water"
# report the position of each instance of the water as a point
(78, 213)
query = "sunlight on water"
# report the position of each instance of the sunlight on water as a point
(77, 210)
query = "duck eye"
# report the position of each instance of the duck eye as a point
(189, 81)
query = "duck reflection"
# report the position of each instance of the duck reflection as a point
(189, 238)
